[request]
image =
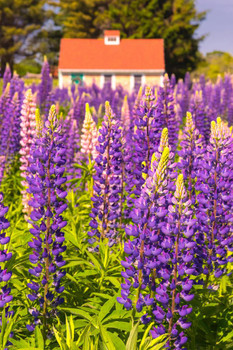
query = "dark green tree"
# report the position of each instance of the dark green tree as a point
(81, 18)
(20, 21)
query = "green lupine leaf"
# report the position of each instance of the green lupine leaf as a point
(133, 337)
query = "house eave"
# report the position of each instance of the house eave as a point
(113, 71)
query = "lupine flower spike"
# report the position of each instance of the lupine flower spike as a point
(5, 275)
(139, 264)
(89, 138)
(27, 133)
(46, 179)
(191, 154)
(214, 209)
(6, 76)
(106, 211)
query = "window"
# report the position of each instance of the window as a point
(77, 78)
(112, 38)
(108, 80)
(137, 81)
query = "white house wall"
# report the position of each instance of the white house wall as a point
(126, 79)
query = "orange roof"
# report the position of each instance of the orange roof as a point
(92, 54)
(111, 33)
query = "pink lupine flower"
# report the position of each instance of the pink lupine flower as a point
(89, 138)
(28, 130)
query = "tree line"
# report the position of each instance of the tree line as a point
(34, 28)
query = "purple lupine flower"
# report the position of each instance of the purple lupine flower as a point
(215, 101)
(227, 94)
(17, 85)
(141, 142)
(4, 103)
(107, 201)
(161, 252)
(202, 86)
(230, 111)
(60, 96)
(78, 110)
(130, 169)
(72, 146)
(5, 274)
(176, 265)
(192, 149)
(165, 109)
(125, 116)
(10, 130)
(45, 87)
(139, 267)
(199, 114)
(46, 180)
(6, 76)
(214, 200)
(173, 81)
(4, 106)
(187, 80)
(182, 99)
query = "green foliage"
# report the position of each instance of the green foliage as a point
(6, 328)
(19, 21)
(27, 66)
(91, 318)
(215, 64)
(80, 18)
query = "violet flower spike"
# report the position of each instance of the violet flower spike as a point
(46, 180)
(5, 274)
(106, 212)
(214, 208)
(140, 271)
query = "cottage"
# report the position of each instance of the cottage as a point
(111, 60)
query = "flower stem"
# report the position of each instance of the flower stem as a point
(175, 272)
(48, 252)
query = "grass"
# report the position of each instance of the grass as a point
(28, 82)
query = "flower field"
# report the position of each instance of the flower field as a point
(116, 216)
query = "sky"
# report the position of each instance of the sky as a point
(218, 25)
